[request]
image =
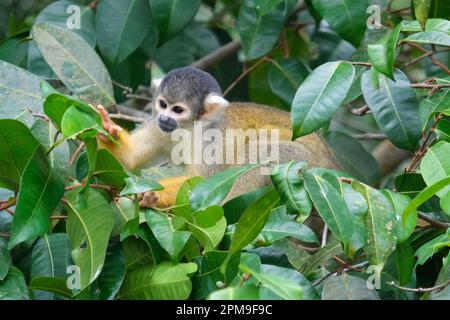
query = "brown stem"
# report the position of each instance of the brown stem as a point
(346, 180)
(361, 111)
(8, 204)
(58, 217)
(76, 154)
(421, 290)
(432, 58)
(92, 185)
(435, 223)
(365, 64)
(218, 55)
(369, 136)
(127, 118)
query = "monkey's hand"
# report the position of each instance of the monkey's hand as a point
(166, 197)
(108, 124)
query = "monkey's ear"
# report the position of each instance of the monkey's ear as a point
(214, 103)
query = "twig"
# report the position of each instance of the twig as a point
(8, 204)
(430, 86)
(92, 185)
(121, 116)
(122, 86)
(244, 74)
(324, 236)
(421, 290)
(361, 111)
(426, 54)
(37, 115)
(347, 265)
(433, 222)
(217, 55)
(422, 149)
(137, 96)
(369, 136)
(334, 273)
(58, 217)
(346, 180)
(76, 154)
(365, 64)
(432, 58)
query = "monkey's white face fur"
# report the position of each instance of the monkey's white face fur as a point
(171, 115)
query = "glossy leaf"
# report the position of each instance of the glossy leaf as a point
(5, 259)
(285, 76)
(119, 37)
(347, 18)
(330, 206)
(320, 257)
(347, 287)
(209, 227)
(319, 96)
(430, 37)
(172, 16)
(251, 223)
(166, 281)
(380, 225)
(399, 202)
(247, 292)
(435, 165)
(427, 250)
(288, 181)
(395, 108)
(382, 53)
(88, 229)
(259, 25)
(75, 63)
(40, 192)
(52, 285)
(279, 226)
(14, 287)
(404, 262)
(109, 169)
(162, 228)
(19, 91)
(354, 158)
(16, 148)
(214, 189)
(421, 8)
(135, 184)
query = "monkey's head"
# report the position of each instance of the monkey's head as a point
(186, 95)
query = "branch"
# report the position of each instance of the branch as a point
(8, 204)
(426, 54)
(433, 222)
(244, 74)
(361, 111)
(127, 118)
(217, 55)
(432, 58)
(421, 290)
(369, 136)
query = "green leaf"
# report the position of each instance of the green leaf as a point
(430, 37)
(279, 225)
(40, 192)
(162, 228)
(288, 181)
(172, 16)
(5, 259)
(50, 257)
(346, 17)
(435, 166)
(319, 96)
(427, 250)
(14, 287)
(281, 286)
(109, 169)
(214, 189)
(19, 91)
(75, 63)
(135, 184)
(88, 229)
(330, 206)
(421, 8)
(251, 223)
(439, 9)
(423, 196)
(404, 262)
(259, 25)
(167, 281)
(17, 146)
(380, 225)
(237, 206)
(57, 14)
(409, 183)
(53, 285)
(443, 276)
(119, 37)
(246, 292)
(347, 287)
(78, 120)
(395, 108)
(285, 76)
(209, 227)
(332, 248)
(441, 25)
(354, 158)
(14, 50)
(399, 202)
(382, 52)
(442, 130)
(56, 105)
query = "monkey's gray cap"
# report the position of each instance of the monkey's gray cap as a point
(189, 85)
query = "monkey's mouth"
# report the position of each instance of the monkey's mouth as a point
(166, 127)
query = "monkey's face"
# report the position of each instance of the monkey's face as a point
(171, 115)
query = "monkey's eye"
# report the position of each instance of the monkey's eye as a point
(178, 109)
(162, 104)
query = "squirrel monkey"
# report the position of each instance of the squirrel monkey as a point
(187, 95)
